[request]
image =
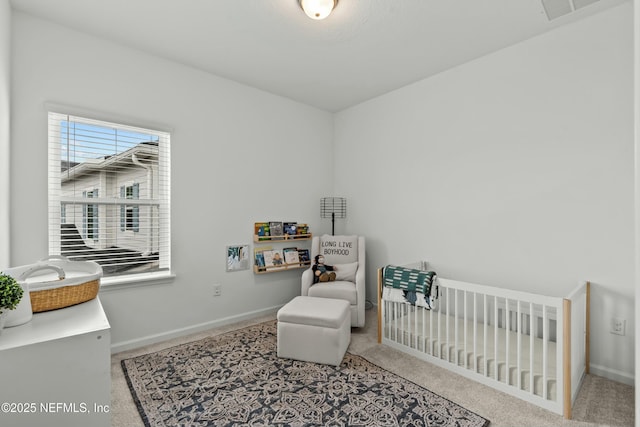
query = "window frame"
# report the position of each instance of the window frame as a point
(162, 202)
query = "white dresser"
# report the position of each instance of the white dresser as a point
(56, 369)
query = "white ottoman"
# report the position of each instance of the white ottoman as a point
(314, 330)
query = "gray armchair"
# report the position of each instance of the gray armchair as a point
(347, 253)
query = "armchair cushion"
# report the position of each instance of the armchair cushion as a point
(346, 272)
(339, 249)
(336, 290)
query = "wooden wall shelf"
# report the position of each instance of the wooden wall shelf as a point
(273, 254)
(283, 238)
(279, 268)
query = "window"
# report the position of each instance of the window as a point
(89, 216)
(130, 215)
(109, 194)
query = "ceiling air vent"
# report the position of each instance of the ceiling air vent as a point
(557, 8)
(582, 3)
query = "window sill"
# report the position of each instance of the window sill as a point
(135, 280)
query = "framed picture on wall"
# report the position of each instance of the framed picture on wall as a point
(238, 258)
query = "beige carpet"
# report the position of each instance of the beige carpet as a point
(604, 401)
(601, 402)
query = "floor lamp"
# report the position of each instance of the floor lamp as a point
(333, 207)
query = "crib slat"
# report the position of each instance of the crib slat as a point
(465, 315)
(431, 329)
(400, 323)
(392, 330)
(447, 327)
(387, 319)
(395, 321)
(382, 318)
(405, 330)
(439, 341)
(519, 340)
(422, 332)
(407, 315)
(545, 338)
(407, 335)
(485, 313)
(464, 332)
(398, 320)
(455, 326)
(475, 332)
(531, 345)
(409, 330)
(507, 329)
(389, 313)
(394, 311)
(495, 333)
(415, 327)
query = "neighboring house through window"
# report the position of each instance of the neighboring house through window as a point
(109, 194)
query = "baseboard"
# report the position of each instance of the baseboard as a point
(612, 374)
(152, 339)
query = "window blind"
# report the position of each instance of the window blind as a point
(109, 194)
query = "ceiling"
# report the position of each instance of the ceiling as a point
(364, 49)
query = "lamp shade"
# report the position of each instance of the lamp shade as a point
(333, 207)
(318, 9)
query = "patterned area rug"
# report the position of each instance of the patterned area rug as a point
(236, 379)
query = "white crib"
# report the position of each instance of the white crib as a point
(534, 347)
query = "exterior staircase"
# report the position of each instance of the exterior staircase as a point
(113, 260)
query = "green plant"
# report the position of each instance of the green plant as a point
(10, 292)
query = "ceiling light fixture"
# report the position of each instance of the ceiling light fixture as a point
(318, 9)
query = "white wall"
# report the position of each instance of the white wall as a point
(5, 85)
(514, 170)
(239, 155)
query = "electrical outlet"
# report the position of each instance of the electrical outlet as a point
(618, 325)
(217, 290)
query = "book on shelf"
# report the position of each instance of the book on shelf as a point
(268, 257)
(275, 228)
(302, 229)
(273, 259)
(259, 255)
(303, 255)
(291, 255)
(290, 228)
(278, 258)
(261, 230)
(260, 259)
